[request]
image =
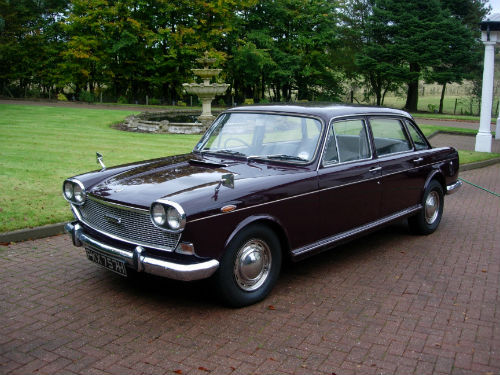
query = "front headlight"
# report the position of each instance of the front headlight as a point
(168, 215)
(68, 190)
(174, 218)
(74, 191)
(158, 214)
(78, 193)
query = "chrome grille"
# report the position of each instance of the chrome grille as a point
(134, 225)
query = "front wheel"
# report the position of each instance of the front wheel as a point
(428, 219)
(250, 266)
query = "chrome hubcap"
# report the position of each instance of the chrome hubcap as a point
(431, 207)
(252, 265)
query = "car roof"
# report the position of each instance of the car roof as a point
(325, 110)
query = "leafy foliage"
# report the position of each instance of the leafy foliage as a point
(269, 49)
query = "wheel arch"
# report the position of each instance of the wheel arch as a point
(435, 175)
(270, 221)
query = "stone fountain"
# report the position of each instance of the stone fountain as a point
(206, 91)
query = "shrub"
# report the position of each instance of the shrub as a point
(122, 100)
(62, 97)
(264, 101)
(248, 101)
(181, 103)
(154, 101)
(86, 96)
(432, 108)
(221, 102)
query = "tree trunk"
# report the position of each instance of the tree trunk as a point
(377, 87)
(383, 96)
(263, 87)
(442, 98)
(412, 96)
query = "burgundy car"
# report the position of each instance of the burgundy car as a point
(263, 184)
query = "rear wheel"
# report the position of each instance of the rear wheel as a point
(428, 219)
(250, 266)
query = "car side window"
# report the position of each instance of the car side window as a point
(389, 136)
(347, 141)
(418, 140)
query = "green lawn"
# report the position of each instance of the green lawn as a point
(467, 157)
(430, 129)
(426, 102)
(40, 146)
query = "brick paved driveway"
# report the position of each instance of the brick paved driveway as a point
(388, 303)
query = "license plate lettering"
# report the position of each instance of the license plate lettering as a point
(107, 262)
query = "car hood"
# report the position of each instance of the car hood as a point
(192, 181)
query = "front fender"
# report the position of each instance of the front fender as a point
(275, 222)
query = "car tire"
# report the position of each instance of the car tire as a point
(250, 266)
(428, 219)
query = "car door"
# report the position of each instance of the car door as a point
(403, 174)
(349, 192)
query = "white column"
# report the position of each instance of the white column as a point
(483, 138)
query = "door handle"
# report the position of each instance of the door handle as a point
(418, 160)
(375, 169)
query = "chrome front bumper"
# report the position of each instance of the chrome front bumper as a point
(141, 263)
(453, 188)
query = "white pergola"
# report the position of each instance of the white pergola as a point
(490, 35)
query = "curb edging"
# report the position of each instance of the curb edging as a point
(32, 233)
(478, 164)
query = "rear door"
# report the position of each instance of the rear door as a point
(403, 169)
(349, 190)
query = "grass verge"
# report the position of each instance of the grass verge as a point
(446, 117)
(467, 157)
(431, 129)
(40, 146)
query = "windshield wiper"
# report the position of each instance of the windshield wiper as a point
(228, 152)
(277, 156)
(285, 157)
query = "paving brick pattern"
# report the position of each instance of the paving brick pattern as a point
(390, 303)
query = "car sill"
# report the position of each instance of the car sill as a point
(337, 239)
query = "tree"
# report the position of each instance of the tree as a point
(29, 43)
(295, 42)
(458, 58)
(373, 53)
(408, 38)
(462, 56)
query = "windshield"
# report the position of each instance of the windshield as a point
(263, 136)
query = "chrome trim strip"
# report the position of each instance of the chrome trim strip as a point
(179, 209)
(141, 263)
(78, 233)
(453, 188)
(344, 235)
(79, 183)
(394, 153)
(330, 127)
(304, 194)
(183, 272)
(312, 192)
(115, 237)
(123, 207)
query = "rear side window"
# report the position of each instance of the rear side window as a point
(418, 140)
(389, 136)
(347, 141)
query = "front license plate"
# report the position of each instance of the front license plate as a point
(111, 264)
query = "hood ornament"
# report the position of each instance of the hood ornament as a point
(99, 157)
